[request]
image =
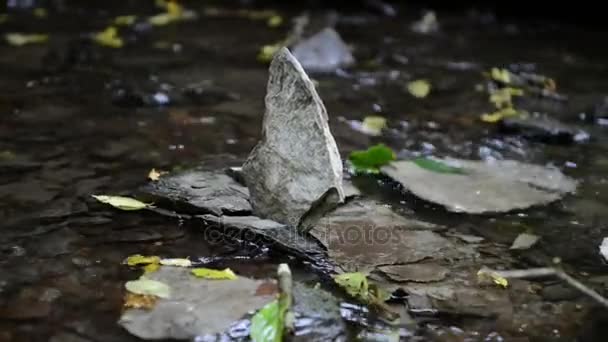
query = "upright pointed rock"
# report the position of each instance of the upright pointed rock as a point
(294, 174)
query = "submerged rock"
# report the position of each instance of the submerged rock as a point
(362, 235)
(543, 128)
(197, 307)
(323, 52)
(201, 192)
(294, 174)
(482, 187)
(278, 234)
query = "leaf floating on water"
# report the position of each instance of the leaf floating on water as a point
(125, 20)
(437, 166)
(419, 89)
(373, 125)
(151, 268)
(20, 39)
(355, 284)
(123, 203)
(372, 159)
(179, 262)
(145, 286)
(502, 114)
(138, 259)
(525, 241)
(154, 175)
(275, 21)
(267, 324)
(504, 97)
(208, 273)
(137, 301)
(267, 52)
(485, 275)
(109, 37)
(501, 75)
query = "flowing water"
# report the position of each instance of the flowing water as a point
(77, 119)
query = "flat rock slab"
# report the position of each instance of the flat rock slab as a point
(362, 235)
(483, 187)
(323, 52)
(252, 228)
(294, 174)
(544, 129)
(420, 273)
(201, 192)
(197, 307)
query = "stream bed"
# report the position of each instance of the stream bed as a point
(78, 119)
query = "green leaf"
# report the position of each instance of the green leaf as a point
(20, 39)
(437, 166)
(373, 125)
(145, 286)
(124, 203)
(355, 284)
(267, 324)
(208, 273)
(419, 88)
(372, 159)
(138, 259)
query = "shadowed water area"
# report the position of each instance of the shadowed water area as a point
(78, 119)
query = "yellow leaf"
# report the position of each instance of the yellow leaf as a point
(151, 268)
(179, 262)
(154, 175)
(267, 52)
(503, 97)
(19, 39)
(355, 284)
(174, 9)
(138, 259)
(208, 273)
(125, 20)
(123, 203)
(161, 19)
(40, 12)
(500, 114)
(419, 88)
(109, 37)
(485, 275)
(501, 75)
(373, 125)
(137, 301)
(145, 286)
(275, 21)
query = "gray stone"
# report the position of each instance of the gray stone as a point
(482, 187)
(362, 235)
(201, 192)
(197, 307)
(294, 174)
(421, 273)
(282, 236)
(323, 52)
(543, 128)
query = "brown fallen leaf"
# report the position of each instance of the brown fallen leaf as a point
(137, 301)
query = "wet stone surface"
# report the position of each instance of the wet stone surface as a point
(80, 119)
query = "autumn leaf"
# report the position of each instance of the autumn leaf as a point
(123, 203)
(137, 301)
(208, 273)
(145, 286)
